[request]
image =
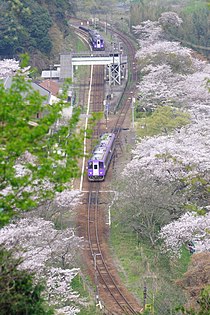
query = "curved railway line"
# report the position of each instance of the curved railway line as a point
(103, 275)
(111, 295)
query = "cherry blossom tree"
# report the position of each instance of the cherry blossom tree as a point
(169, 157)
(8, 67)
(50, 253)
(146, 203)
(172, 76)
(170, 19)
(162, 85)
(189, 227)
(188, 91)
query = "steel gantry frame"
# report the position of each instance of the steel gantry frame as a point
(115, 63)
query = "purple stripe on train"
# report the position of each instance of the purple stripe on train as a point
(101, 157)
(95, 39)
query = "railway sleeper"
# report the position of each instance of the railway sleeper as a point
(103, 271)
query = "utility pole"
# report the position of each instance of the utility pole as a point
(132, 109)
(145, 295)
(96, 277)
(50, 77)
(106, 110)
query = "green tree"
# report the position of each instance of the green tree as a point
(38, 23)
(53, 154)
(163, 120)
(25, 25)
(18, 293)
(203, 305)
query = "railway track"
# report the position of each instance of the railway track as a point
(103, 276)
(97, 98)
(125, 102)
(111, 295)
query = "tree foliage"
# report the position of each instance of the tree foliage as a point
(25, 25)
(18, 293)
(196, 278)
(47, 252)
(34, 162)
(95, 6)
(189, 227)
(194, 29)
(145, 204)
(204, 305)
(162, 121)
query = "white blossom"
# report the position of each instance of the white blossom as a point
(189, 227)
(59, 283)
(173, 76)
(163, 156)
(148, 32)
(68, 310)
(67, 198)
(164, 47)
(170, 19)
(49, 253)
(9, 67)
(166, 155)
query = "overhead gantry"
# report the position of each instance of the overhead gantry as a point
(115, 64)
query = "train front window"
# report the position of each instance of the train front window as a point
(90, 165)
(100, 164)
(95, 166)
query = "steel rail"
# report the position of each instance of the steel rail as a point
(107, 282)
(96, 251)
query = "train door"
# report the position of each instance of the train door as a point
(98, 43)
(95, 168)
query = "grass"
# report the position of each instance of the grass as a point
(140, 264)
(194, 6)
(91, 310)
(80, 286)
(74, 43)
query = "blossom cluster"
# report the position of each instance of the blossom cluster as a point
(173, 76)
(148, 32)
(170, 19)
(59, 284)
(49, 253)
(67, 198)
(8, 67)
(164, 156)
(171, 72)
(190, 227)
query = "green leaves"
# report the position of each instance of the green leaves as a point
(163, 120)
(18, 294)
(35, 161)
(203, 304)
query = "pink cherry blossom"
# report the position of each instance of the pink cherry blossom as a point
(48, 252)
(171, 75)
(189, 227)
